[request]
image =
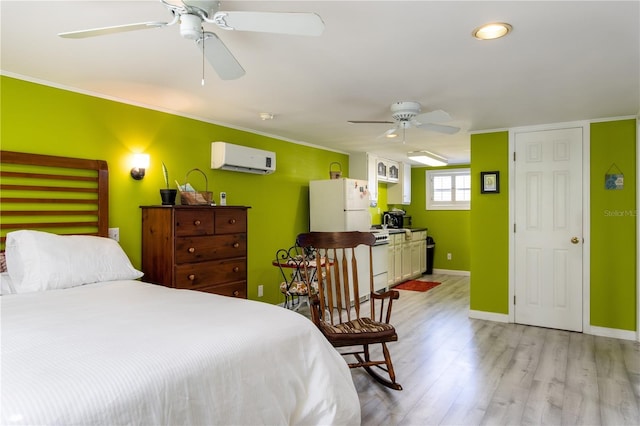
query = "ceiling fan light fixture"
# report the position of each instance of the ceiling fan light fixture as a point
(191, 27)
(428, 158)
(492, 31)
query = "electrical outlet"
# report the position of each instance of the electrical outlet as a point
(448, 256)
(260, 290)
(114, 234)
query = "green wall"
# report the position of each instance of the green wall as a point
(42, 119)
(612, 230)
(613, 226)
(448, 228)
(490, 225)
(46, 120)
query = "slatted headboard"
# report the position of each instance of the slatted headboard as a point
(54, 194)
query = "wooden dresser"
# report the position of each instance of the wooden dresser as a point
(196, 247)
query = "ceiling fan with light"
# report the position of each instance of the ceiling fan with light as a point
(193, 13)
(406, 114)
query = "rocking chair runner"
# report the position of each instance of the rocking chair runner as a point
(331, 309)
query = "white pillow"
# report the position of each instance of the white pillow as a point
(38, 261)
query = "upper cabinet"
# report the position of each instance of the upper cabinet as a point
(387, 170)
(374, 169)
(400, 193)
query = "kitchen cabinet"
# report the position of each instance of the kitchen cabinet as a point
(196, 247)
(387, 170)
(363, 166)
(407, 272)
(397, 259)
(418, 253)
(394, 260)
(400, 193)
(423, 256)
(407, 256)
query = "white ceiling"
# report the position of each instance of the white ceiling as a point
(564, 61)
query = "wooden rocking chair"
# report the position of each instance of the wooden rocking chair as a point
(338, 288)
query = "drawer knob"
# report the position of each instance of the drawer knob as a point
(191, 250)
(236, 269)
(236, 293)
(236, 245)
(232, 221)
(191, 277)
(197, 222)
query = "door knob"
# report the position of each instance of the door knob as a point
(575, 240)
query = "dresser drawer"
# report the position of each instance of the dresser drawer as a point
(194, 222)
(200, 249)
(238, 289)
(197, 275)
(230, 221)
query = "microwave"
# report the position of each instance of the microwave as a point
(396, 220)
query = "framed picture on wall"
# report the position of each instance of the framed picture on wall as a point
(489, 182)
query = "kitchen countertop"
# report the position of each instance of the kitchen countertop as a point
(400, 230)
(404, 230)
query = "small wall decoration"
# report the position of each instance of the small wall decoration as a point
(614, 178)
(489, 182)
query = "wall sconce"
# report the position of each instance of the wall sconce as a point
(139, 164)
(428, 158)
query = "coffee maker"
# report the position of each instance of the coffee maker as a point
(396, 219)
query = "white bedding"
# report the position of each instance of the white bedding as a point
(126, 352)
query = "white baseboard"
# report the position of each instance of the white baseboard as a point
(452, 272)
(615, 333)
(489, 316)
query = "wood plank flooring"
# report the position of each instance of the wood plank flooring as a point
(461, 371)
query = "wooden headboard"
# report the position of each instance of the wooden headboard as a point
(54, 194)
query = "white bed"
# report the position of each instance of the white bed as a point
(126, 352)
(84, 343)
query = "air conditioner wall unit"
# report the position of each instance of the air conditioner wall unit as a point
(238, 158)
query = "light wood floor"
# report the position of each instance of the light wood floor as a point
(461, 371)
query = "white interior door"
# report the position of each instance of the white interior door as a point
(548, 228)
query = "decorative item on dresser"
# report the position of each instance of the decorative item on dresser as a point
(196, 247)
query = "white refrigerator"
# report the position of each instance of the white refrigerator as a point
(338, 205)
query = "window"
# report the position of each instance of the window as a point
(448, 189)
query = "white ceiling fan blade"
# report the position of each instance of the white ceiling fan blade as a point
(309, 24)
(112, 30)
(440, 128)
(438, 116)
(220, 58)
(369, 122)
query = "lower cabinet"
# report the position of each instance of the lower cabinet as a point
(394, 265)
(423, 256)
(407, 256)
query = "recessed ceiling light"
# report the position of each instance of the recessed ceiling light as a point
(492, 31)
(266, 116)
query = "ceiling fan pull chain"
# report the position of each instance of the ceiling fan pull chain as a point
(203, 38)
